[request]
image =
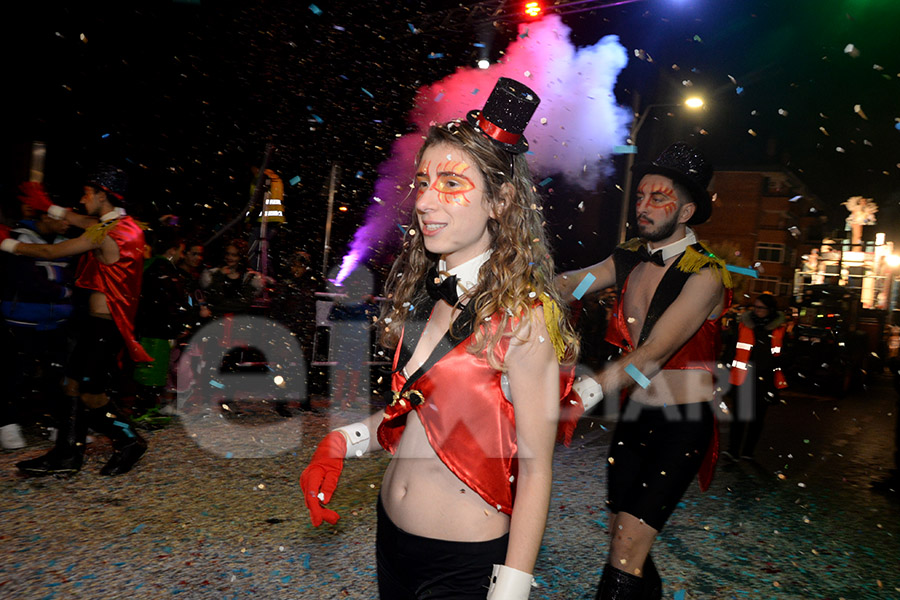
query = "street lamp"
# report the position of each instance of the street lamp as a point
(694, 102)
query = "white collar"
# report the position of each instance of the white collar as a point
(466, 273)
(115, 213)
(675, 248)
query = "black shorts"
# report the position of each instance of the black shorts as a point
(654, 455)
(411, 567)
(93, 361)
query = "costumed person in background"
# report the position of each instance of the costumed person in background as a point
(162, 315)
(671, 293)
(232, 287)
(479, 337)
(756, 371)
(109, 269)
(37, 305)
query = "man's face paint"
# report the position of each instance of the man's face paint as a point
(656, 208)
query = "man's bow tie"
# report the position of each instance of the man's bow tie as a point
(646, 256)
(441, 290)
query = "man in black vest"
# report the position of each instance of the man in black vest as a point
(671, 292)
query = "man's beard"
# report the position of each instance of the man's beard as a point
(662, 232)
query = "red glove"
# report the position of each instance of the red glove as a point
(321, 476)
(34, 195)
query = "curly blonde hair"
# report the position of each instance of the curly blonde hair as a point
(520, 269)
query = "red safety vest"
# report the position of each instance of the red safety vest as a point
(746, 340)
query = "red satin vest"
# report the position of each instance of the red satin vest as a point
(120, 281)
(699, 352)
(468, 421)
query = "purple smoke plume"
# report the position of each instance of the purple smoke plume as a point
(572, 133)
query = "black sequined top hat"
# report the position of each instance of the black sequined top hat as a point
(506, 114)
(685, 165)
(110, 179)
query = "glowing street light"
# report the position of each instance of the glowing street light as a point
(694, 103)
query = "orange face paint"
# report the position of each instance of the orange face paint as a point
(451, 184)
(659, 195)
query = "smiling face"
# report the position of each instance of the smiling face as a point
(661, 213)
(451, 205)
(232, 256)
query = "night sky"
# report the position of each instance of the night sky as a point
(186, 96)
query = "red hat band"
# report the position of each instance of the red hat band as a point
(501, 135)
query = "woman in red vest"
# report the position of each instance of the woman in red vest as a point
(756, 371)
(479, 337)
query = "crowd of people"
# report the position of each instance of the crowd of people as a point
(484, 351)
(96, 309)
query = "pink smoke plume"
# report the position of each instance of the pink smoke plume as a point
(571, 134)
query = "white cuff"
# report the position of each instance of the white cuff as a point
(509, 584)
(590, 392)
(57, 212)
(357, 436)
(9, 245)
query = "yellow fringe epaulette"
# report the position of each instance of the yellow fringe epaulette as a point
(95, 233)
(552, 316)
(693, 261)
(632, 245)
(144, 226)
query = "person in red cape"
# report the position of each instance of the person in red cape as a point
(477, 385)
(110, 268)
(671, 293)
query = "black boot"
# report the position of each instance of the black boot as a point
(128, 445)
(67, 455)
(652, 581)
(619, 585)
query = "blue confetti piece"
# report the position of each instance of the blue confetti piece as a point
(897, 126)
(478, 45)
(315, 9)
(439, 97)
(318, 118)
(583, 286)
(367, 92)
(679, 595)
(739, 90)
(229, 454)
(625, 149)
(636, 374)
(359, 174)
(402, 229)
(306, 560)
(412, 28)
(545, 182)
(104, 136)
(742, 270)
(294, 180)
(475, 91)
(216, 384)
(523, 35)
(435, 55)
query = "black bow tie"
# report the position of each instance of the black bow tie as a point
(441, 290)
(646, 256)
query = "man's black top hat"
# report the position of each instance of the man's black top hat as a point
(506, 114)
(110, 179)
(685, 165)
